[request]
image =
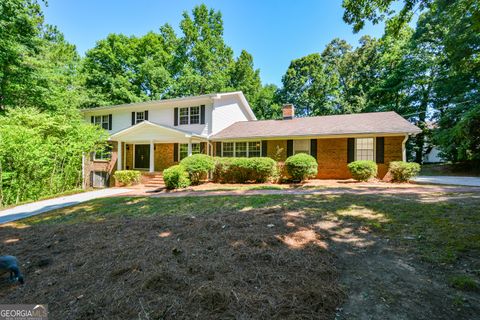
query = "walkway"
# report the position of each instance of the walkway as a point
(451, 180)
(34, 208)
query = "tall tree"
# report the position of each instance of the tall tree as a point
(245, 78)
(21, 22)
(203, 59)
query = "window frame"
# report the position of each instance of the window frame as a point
(180, 116)
(234, 150)
(191, 115)
(196, 149)
(104, 121)
(374, 147)
(307, 142)
(105, 155)
(137, 120)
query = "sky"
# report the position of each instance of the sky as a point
(274, 32)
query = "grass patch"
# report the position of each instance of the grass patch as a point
(463, 282)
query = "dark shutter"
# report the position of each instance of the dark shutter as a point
(350, 150)
(175, 152)
(175, 116)
(202, 147)
(133, 118)
(146, 115)
(109, 122)
(218, 149)
(313, 148)
(92, 119)
(289, 148)
(202, 114)
(380, 147)
(264, 148)
(91, 179)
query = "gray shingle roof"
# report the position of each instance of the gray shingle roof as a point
(360, 123)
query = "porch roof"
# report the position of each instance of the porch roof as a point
(147, 131)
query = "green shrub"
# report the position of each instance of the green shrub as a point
(127, 177)
(403, 171)
(241, 170)
(301, 166)
(198, 166)
(176, 177)
(363, 170)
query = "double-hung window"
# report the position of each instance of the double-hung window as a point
(365, 149)
(183, 149)
(102, 121)
(242, 149)
(194, 115)
(103, 154)
(183, 114)
(140, 116)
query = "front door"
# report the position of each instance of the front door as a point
(142, 156)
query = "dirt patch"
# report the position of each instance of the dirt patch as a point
(244, 266)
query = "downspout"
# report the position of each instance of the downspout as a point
(404, 149)
(83, 171)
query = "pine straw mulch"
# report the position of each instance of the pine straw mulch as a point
(257, 264)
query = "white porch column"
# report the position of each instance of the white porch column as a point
(119, 155)
(152, 156)
(190, 147)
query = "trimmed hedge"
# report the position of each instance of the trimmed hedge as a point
(127, 177)
(241, 170)
(176, 177)
(301, 166)
(363, 170)
(198, 166)
(402, 171)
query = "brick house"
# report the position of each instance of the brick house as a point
(152, 136)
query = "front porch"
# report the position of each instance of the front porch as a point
(152, 148)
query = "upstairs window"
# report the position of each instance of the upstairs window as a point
(364, 149)
(140, 116)
(183, 115)
(194, 115)
(102, 121)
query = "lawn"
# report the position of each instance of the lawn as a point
(266, 257)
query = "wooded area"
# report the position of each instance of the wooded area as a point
(428, 74)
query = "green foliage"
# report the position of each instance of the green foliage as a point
(41, 154)
(127, 177)
(301, 166)
(241, 170)
(198, 166)
(363, 170)
(403, 171)
(464, 282)
(176, 177)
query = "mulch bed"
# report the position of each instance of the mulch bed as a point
(257, 264)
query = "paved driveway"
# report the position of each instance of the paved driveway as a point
(461, 181)
(34, 208)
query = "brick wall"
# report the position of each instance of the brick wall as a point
(163, 156)
(91, 165)
(277, 149)
(393, 152)
(129, 157)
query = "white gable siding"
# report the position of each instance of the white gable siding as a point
(226, 111)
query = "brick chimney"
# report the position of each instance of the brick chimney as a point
(288, 111)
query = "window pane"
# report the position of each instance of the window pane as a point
(301, 146)
(195, 148)
(194, 115)
(183, 115)
(140, 116)
(254, 148)
(364, 149)
(183, 150)
(240, 149)
(98, 119)
(104, 154)
(227, 149)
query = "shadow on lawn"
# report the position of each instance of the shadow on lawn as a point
(275, 257)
